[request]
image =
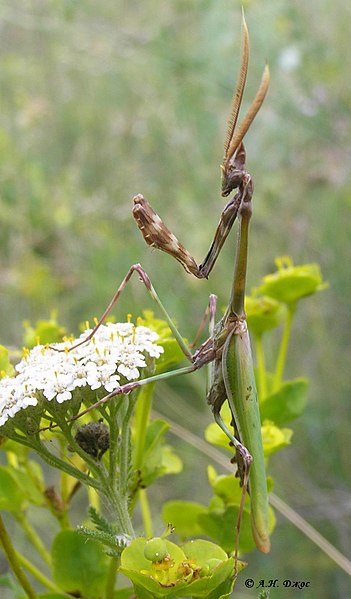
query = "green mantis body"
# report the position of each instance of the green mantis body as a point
(232, 375)
(227, 351)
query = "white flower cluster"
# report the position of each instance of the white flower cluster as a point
(116, 349)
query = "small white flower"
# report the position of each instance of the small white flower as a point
(116, 349)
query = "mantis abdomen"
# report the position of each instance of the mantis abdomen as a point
(239, 380)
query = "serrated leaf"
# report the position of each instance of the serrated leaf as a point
(99, 521)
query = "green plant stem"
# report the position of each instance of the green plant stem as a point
(39, 576)
(35, 443)
(145, 512)
(142, 419)
(125, 445)
(111, 577)
(33, 537)
(119, 507)
(114, 439)
(261, 368)
(116, 490)
(283, 350)
(64, 486)
(14, 561)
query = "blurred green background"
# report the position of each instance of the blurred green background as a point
(103, 100)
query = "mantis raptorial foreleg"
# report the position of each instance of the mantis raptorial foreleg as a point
(157, 234)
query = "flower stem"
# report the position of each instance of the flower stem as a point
(146, 514)
(48, 457)
(39, 576)
(142, 418)
(125, 444)
(119, 507)
(14, 561)
(33, 537)
(114, 440)
(111, 577)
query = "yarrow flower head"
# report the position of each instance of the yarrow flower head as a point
(115, 354)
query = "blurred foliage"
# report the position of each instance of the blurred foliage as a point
(100, 101)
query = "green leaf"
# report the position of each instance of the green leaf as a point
(30, 483)
(227, 487)
(155, 433)
(78, 565)
(12, 497)
(224, 590)
(170, 463)
(44, 331)
(209, 585)
(183, 516)
(291, 283)
(274, 438)
(220, 526)
(142, 593)
(125, 593)
(287, 403)
(158, 459)
(263, 313)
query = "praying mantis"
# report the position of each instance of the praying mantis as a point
(227, 350)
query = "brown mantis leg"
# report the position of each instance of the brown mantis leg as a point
(157, 234)
(210, 313)
(147, 282)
